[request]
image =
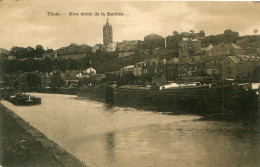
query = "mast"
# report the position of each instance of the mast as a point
(167, 75)
(165, 42)
(90, 68)
(123, 66)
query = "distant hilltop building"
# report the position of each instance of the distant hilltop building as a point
(127, 45)
(107, 33)
(200, 35)
(223, 49)
(73, 51)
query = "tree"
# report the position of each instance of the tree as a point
(175, 32)
(202, 33)
(31, 52)
(33, 80)
(19, 52)
(39, 51)
(128, 77)
(153, 41)
(57, 80)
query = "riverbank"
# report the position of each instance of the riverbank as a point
(23, 145)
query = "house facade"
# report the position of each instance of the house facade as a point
(239, 66)
(224, 49)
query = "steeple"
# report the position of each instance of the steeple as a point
(107, 22)
(107, 33)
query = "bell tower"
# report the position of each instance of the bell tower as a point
(107, 33)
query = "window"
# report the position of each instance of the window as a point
(228, 70)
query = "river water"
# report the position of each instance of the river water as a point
(105, 136)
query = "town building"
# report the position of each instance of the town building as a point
(187, 68)
(258, 51)
(239, 66)
(11, 57)
(111, 46)
(200, 35)
(250, 46)
(212, 70)
(87, 73)
(99, 77)
(71, 77)
(125, 54)
(188, 47)
(208, 48)
(127, 69)
(224, 49)
(96, 48)
(52, 55)
(45, 80)
(107, 33)
(165, 70)
(127, 46)
(91, 71)
(242, 43)
(138, 70)
(73, 51)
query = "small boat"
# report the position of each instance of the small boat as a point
(23, 99)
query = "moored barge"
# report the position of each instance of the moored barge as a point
(18, 98)
(200, 99)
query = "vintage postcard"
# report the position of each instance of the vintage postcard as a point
(129, 83)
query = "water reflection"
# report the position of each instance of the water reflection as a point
(110, 145)
(102, 135)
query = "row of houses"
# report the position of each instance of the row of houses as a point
(52, 79)
(221, 61)
(187, 48)
(230, 67)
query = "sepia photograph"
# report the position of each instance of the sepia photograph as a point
(126, 83)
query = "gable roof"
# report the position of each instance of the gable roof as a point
(226, 46)
(209, 47)
(249, 58)
(243, 58)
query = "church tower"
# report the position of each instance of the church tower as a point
(107, 33)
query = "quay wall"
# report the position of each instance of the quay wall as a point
(190, 101)
(68, 91)
(94, 93)
(27, 146)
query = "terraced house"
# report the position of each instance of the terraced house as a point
(239, 66)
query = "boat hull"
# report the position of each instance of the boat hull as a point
(24, 100)
(197, 100)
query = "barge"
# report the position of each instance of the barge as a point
(23, 99)
(199, 99)
(18, 98)
(207, 99)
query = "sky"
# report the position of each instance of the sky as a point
(26, 22)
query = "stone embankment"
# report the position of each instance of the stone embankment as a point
(22, 145)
